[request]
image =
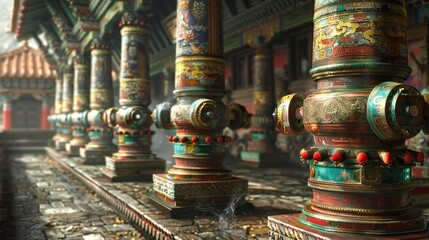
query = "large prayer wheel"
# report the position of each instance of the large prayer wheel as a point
(66, 108)
(198, 176)
(80, 105)
(101, 98)
(360, 116)
(134, 159)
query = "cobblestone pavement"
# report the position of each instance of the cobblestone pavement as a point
(39, 200)
(271, 192)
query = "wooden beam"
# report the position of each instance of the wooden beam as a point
(242, 5)
(228, 5)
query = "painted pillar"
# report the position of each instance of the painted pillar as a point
(134, 159)
(80, 105)
(199, 117)
(360, 115)
(101, 98)
(261, 150)
(66, 108)
(44, 113)
(7, 113)
(54, 119)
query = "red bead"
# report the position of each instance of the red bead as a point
(219, 139)
(362, 158)
(175, 138)
(420, 157)
(183, 139)
(387, 158)
(317, 156)
(208, 139)
(408, 158)
(337, 157)
(304, 154)
(170, 138)
(194, 139)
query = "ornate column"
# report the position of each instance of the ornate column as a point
(54, 119)
(198, 177)
(80, 105)
(360, 115)
(66, 108)
(7, 113)
(261, 150)
(101, 98)
(134, 159)
(44, 113)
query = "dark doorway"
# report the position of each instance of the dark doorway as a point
(26, 113)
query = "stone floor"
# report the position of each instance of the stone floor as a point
(40, 200)
(271, 192)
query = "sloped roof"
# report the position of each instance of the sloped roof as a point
(25, 62)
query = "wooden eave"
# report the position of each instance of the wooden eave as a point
(26, 18)
(415, 3)
(257, 14)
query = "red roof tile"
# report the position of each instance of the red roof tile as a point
(27, 63)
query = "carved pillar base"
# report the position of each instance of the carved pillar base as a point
(51, 143)
(99, 147)
(78, 141)
(60, 145)
(133, 169)
(72, 150)
(178, 198)
(63, 137)
(289, 226)
(96, 156)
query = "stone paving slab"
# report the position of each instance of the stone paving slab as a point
(41, 200)
(271, 191)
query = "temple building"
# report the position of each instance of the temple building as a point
(27, 89)
(236, 119)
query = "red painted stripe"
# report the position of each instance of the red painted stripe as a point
(7, 118)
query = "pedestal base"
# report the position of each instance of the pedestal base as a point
(51, 143)
(133, 169)
(288, 226)
(72, 150)
(61, 146)
(95, 157)
(181, 198)
(263, 159)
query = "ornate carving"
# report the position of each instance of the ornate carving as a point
(199, 114)
(133, 18)
(359, 166)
